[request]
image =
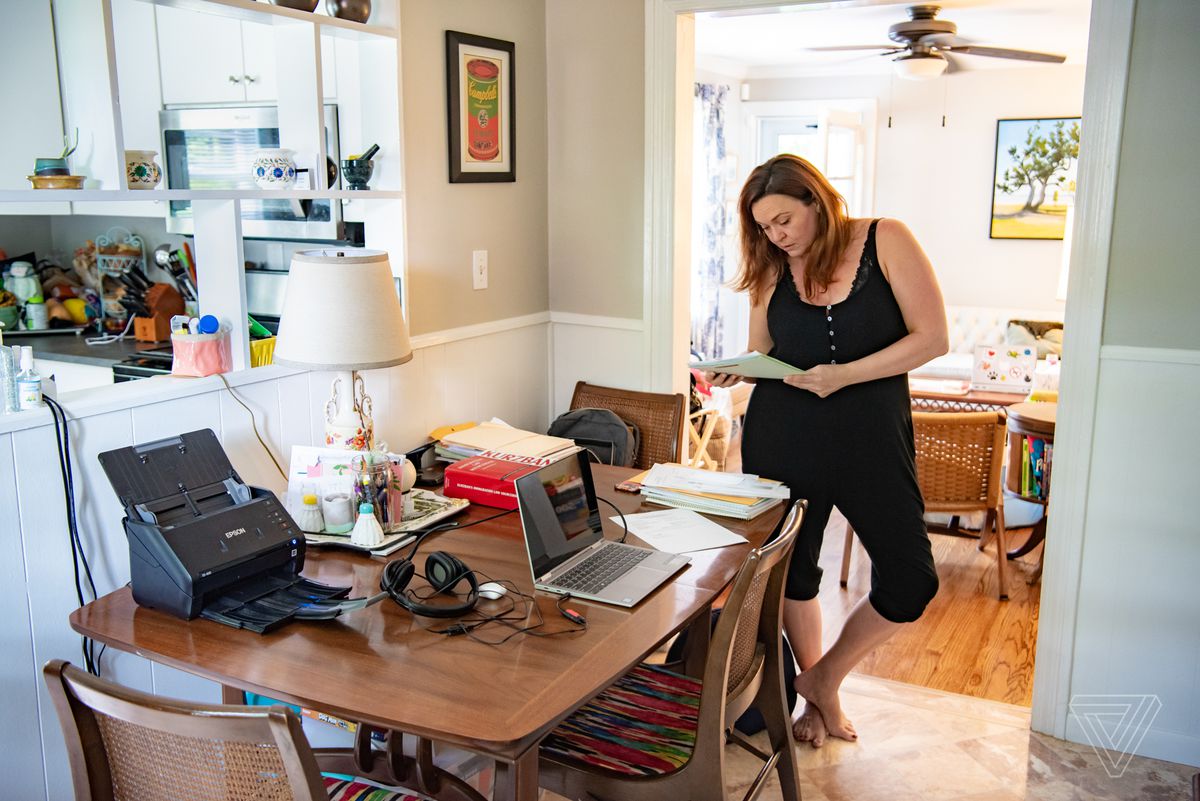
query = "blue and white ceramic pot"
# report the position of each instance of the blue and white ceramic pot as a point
(274, 168)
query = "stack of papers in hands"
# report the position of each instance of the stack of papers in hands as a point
(749, 365)
(738, 495)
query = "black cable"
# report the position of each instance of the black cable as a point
(471, 621)
(62, 435)
(624, 524)
(423, 533)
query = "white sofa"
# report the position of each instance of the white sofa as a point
(970, 326)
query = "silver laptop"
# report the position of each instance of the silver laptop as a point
(566, 545)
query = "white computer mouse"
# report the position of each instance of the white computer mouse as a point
(491, 590)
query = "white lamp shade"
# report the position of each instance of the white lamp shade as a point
(341, 312)
(920, 66)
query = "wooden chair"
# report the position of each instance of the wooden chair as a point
(126, 745)
(655, 734)
(959, 459)
(658, 416)
(701, 425)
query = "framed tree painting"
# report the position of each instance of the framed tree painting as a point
(481, 105)
(1034, 178)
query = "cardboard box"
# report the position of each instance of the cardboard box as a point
(488, 479)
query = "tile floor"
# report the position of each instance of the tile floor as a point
(916, 743)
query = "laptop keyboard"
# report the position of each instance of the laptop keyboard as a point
(600, 569)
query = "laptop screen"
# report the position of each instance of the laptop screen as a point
(559, 512)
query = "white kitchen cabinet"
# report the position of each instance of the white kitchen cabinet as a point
(200, 57)
(206, 58)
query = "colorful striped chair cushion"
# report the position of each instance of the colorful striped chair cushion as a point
(643, 725)
(340, 789)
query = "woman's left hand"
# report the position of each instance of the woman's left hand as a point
(822, 380)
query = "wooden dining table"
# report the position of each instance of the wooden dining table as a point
(390, 671)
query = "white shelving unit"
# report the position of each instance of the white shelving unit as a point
(100, 66)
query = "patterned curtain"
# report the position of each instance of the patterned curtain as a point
(708, 219)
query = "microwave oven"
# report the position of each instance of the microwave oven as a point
(214, 148)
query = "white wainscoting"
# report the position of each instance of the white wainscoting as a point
(1137, 628)
(600, 350)
(495, 370)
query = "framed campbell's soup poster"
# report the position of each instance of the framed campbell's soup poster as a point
(481, 84)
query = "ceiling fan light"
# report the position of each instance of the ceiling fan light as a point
(920, 66)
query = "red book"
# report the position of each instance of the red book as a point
(488, 478)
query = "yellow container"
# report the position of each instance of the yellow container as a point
(262, 352)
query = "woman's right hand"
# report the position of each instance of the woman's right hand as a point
(725, 379)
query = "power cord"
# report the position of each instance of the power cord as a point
(62, 435)
(513, 617)
(108, 339)
(253, 424)
(624, 524)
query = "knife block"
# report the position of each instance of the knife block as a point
(152, 329)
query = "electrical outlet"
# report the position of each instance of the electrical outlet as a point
(479, 269)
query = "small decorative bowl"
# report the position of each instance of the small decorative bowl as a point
(50, 166)
(299, 5)
(357, 172)
(56, 181)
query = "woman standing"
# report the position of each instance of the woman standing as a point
(853, 302)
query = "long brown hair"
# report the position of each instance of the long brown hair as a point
(762, 262)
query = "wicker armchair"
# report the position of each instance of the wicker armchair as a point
(959, 459)
(126, 745)
(659, 418)
(613, 748)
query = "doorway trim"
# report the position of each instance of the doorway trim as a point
(1106, 77)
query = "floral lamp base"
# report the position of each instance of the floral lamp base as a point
(348, 423)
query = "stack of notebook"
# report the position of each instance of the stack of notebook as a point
(738, 495)
(457, 443)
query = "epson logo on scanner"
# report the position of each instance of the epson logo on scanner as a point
(231, 534)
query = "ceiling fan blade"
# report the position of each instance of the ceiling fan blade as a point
(889, 47)
(1002, 52)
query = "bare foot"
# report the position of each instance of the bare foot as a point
(824, 697)
(810, 727)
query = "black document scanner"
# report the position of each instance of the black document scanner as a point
(202, 542)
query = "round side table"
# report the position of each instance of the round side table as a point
(1036, 420)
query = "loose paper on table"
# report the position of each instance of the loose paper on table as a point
(749, 365)
(691, 479)
(679, 531)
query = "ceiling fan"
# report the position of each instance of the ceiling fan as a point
(923, 42)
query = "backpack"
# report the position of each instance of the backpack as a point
(609, 438)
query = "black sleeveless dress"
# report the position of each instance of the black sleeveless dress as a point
(852, 449)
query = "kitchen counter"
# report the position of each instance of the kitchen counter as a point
(74, 350)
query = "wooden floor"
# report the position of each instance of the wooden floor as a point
(968, 641)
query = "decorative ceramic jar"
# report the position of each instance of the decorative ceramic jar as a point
(140, 169)
(274, 168)
(353, 10)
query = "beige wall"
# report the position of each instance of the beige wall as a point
(1153, 283)
(595, 55)
(447, 221)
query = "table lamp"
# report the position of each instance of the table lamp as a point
(341, 313)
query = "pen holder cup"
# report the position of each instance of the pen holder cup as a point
(379, 483)
(198, 355)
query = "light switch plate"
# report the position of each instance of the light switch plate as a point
(479, 269)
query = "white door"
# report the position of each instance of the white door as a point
(832, 140)
(200, 56)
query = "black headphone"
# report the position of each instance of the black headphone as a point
(443, 571)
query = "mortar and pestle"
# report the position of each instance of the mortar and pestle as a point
(357, 169)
